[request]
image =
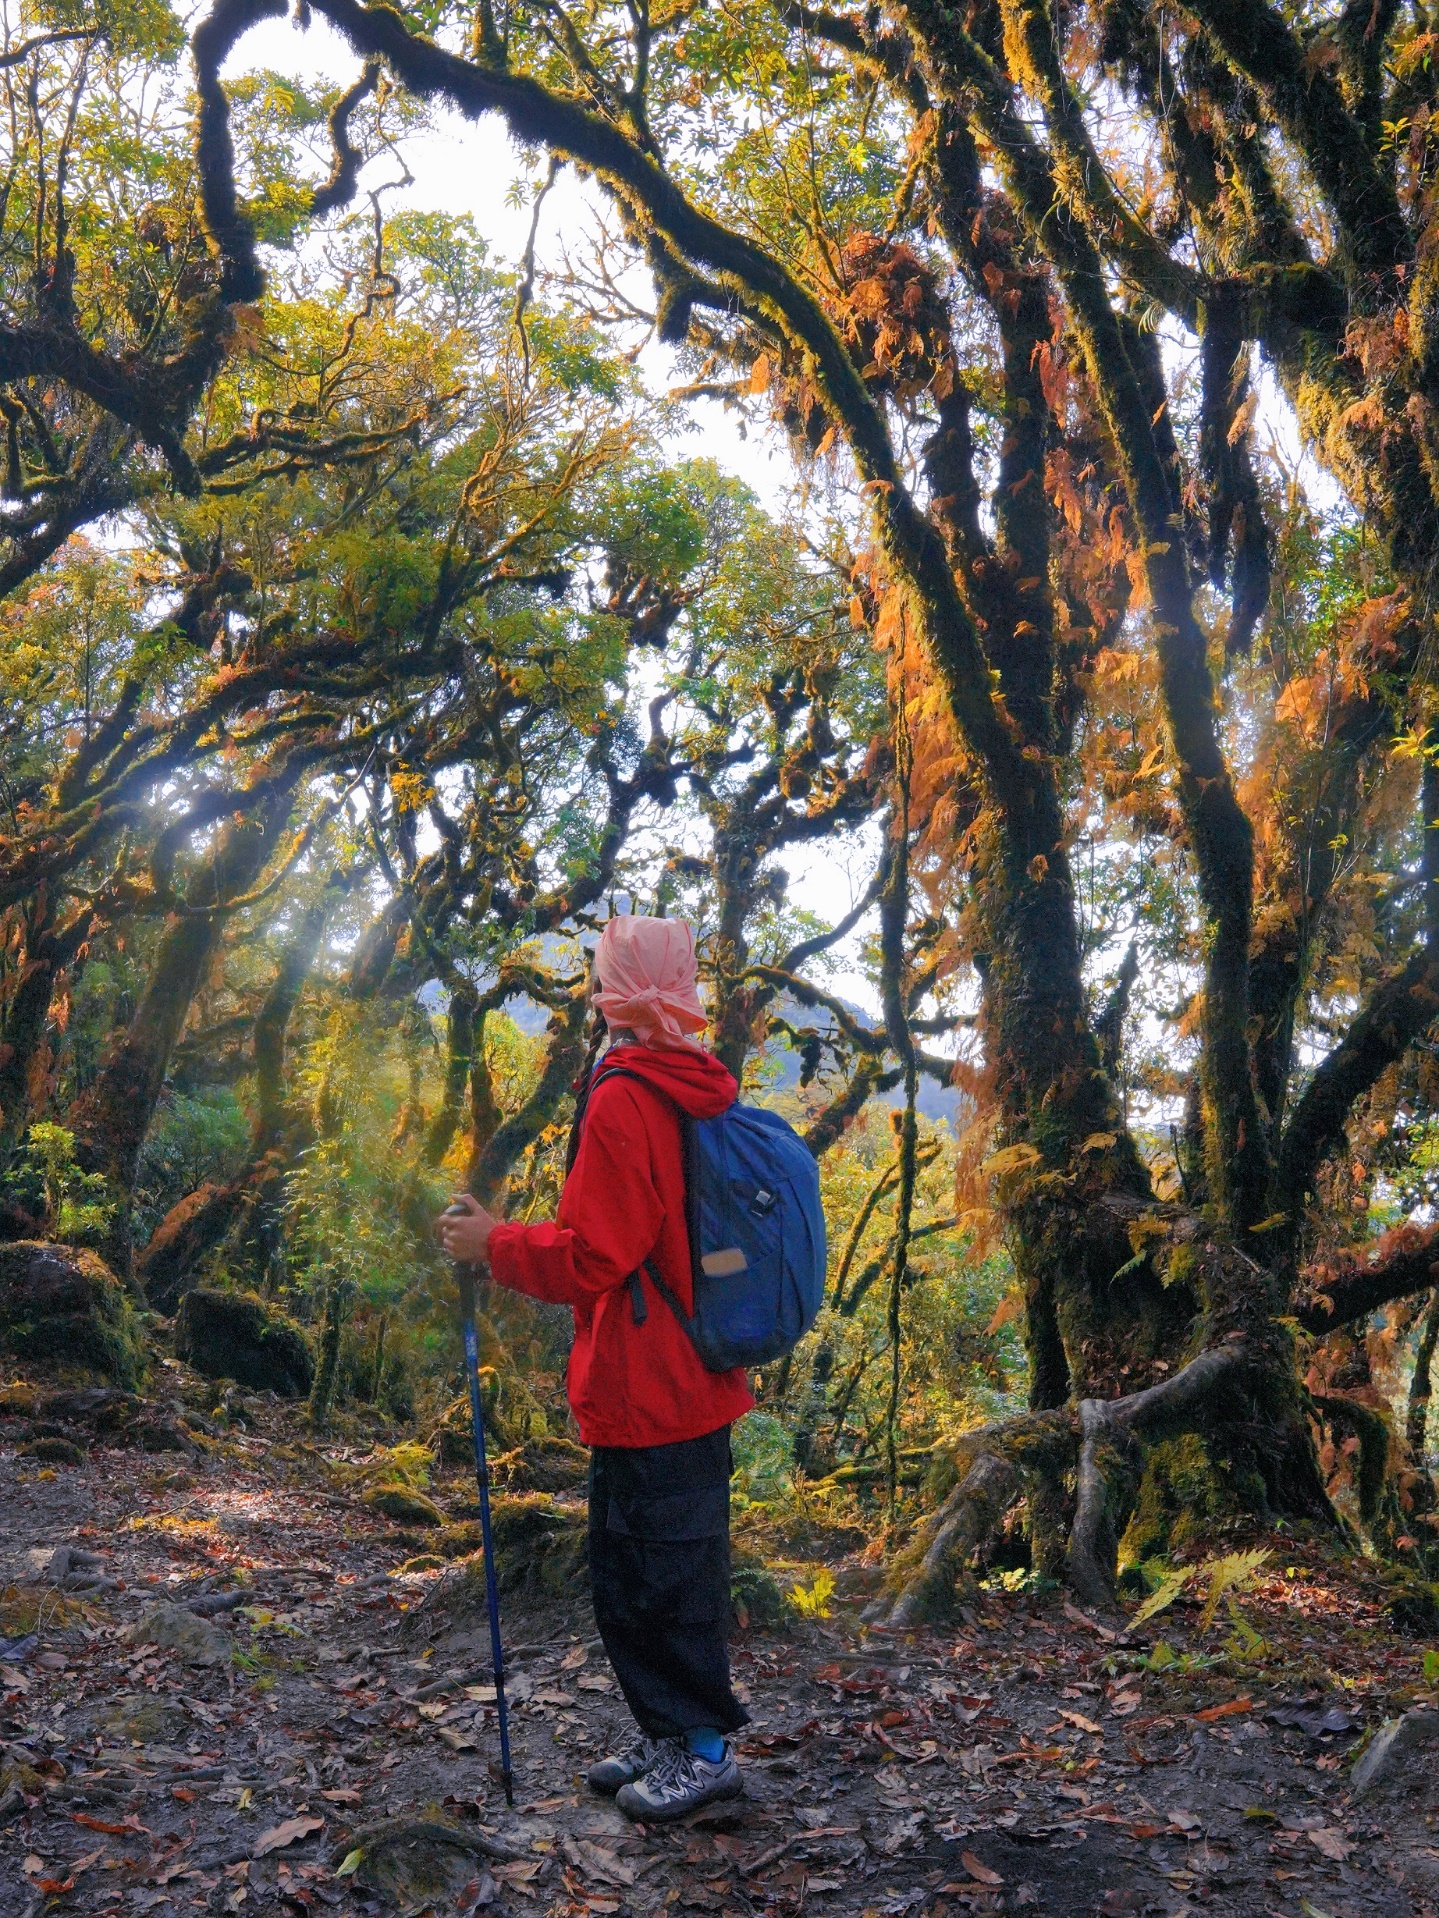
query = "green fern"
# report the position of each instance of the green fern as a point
(1236, 1573)
(1222, 1577)
(1171, 1585)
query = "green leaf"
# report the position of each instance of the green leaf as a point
(349, 1864)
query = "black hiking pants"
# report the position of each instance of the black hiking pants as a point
(659, 1574)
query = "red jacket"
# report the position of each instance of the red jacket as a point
(623, 1202)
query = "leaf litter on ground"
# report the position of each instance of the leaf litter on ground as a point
(1029, 1757)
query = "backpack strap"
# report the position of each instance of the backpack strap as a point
(671, 1299)
(639, 1310)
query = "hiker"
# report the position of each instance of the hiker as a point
(656, 1420)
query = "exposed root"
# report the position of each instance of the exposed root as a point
(968, 1516)
(1109, 1430)
(1101, 1439)
(430, 1831)
(1001, 1458)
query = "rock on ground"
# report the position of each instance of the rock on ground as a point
(1401, 1758)
(404, 1504)
(171, 1628)
(238, 1335)
(63, 1311)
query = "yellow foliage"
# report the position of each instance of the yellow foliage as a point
(813, 1601)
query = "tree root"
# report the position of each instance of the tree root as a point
(1101, 1440)
(429, 1831)
(1109, 1429)
(999, 1457)
(968, 1516)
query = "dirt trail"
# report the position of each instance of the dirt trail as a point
(334, 1755)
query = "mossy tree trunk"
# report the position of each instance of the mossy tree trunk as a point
(112, 1118)
(1145, 1320)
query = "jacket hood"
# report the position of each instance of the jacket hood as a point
(694, 1079)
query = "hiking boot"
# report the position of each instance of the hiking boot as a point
(679, 1782)
(622, 1769)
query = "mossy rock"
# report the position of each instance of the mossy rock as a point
(540, 1550)
(138, 1718)
(458, 1541)
(53, 1451)
(63, 1312)
(1411, 1602)
(542, 1465)
(240, 1336)
(404, 1505)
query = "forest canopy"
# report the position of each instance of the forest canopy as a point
(375, 623)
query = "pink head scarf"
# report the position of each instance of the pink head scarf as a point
(648, 979)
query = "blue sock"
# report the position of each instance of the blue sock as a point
(704, 1742)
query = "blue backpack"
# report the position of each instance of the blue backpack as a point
(756, 1232)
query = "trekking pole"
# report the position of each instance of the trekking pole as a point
(465, 1280)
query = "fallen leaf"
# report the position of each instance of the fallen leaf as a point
(1185, 1820)
(132, 1823)
(289, 1833)
(1077, 1617)
(457, 1742)
(574, 1658)
(596, 1861)
(342, 1795)
(1332, 1843)
(519, 1871)
(553, 1698)
(1234, 1706)
(349, 1864)
(978, 1870)
(1078, 1719)
(32, 1865)
(478, 1893)
(596, 1682)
